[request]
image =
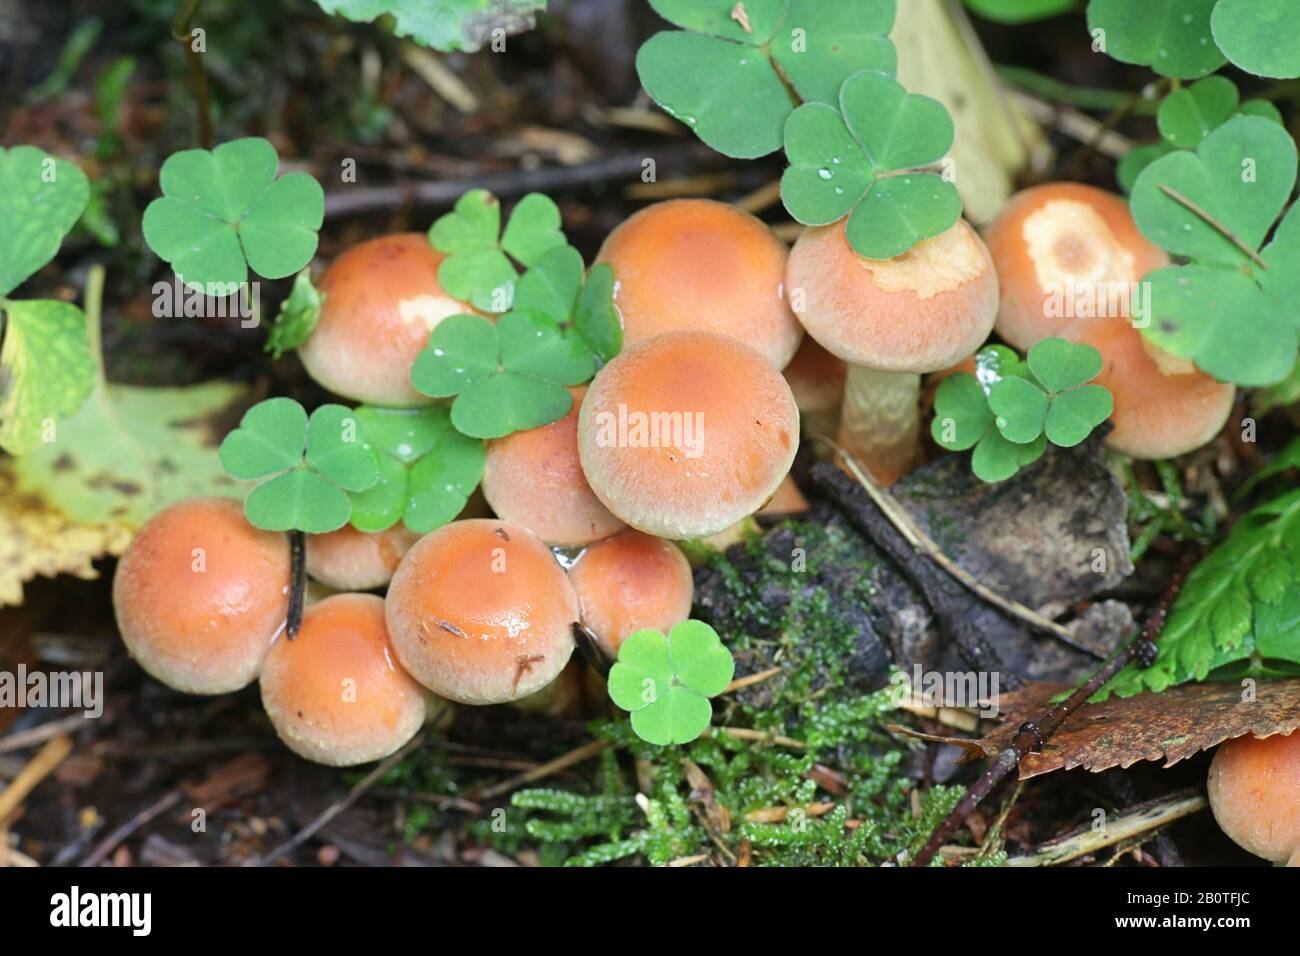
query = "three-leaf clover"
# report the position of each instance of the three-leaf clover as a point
(1009, 410)
(666, 682)
(506, 376)
(724, 74)
(855, 161)
(554, 288)
(223, 211)
(427, 469)
(1171, 36)
(306, 466)
(1216, 207)
(479, 267)
(1260, 36)
(297, 317)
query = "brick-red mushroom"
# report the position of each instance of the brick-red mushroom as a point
(1065, 251)
(1159, 412)
(534, 478)
(891, 320)
(480, 612)
(200, 594)
(685, 434)
(352, 560)
(335, 694)
(382, 298)
(631, 581)
(701, 264)
(1254, 791)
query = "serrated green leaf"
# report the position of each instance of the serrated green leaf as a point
(1170, 36)
(1073, 415)
(961, 412)
(465, 25)
(41, 199)
(1259, 36)
(1188, 115)
(1021, 409)
(1059, 365)
(46, 370)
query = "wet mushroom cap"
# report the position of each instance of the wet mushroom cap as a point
(1156, 415)
(683, 435)
(700, 264)
(1254, 790)
(335, 693)
(919, 312)
(352, 560)
(200, 594)
(1061, 246)
(632, 581)
(382, 298)
(534, 478)
(480, 612)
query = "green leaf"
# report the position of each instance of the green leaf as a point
(551, 286)
(46, 370)
(298, 316)
(533, 229)
(1073, 415)
(1259, 36)
(462, 352)
(899, 212)
(1170, 36)
(897, 129)
(382, 505)
(829, 171)
(1059, 365)
(1137, 159)
(298, 500)
(820, 45)
(41, 198)
(666, 682)
(596, 319)
(1188, 115)
(336, 451)
(465, 25)
(1019, 11)
(1021, 409)
(961, 412)
(270, 438)
(996, 459)
(535, 346)
(223, 210)
(508, 403)
(1242, 174)
(715, 17)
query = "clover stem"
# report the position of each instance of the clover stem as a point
(198, 74)
(880, 422)
(297, 582)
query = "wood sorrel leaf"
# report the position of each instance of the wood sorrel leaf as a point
(997, 459)
(41, 198)
(298, 500)
(1188, 115)
(1059, 365)
(1020, 407)
(1170, 36)
(820, 45)
(1259, 36)
(1072, 415)
(961, 412)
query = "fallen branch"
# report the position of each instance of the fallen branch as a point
(1141, 821)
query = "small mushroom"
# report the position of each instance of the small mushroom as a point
(683, 435)
(480, 612)
(381, 300)
(629, 582)
(1157, 415)
(700, 264)
(334, 693)
(352, 560)
(1065, 251)
(200, 594)
(534, 478)
(1254, 789)
(891, 320)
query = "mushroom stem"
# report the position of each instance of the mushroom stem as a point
(297, 582)
(880, 423)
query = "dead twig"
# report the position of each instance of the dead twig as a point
(1138, 825)
(111, 842)
(585, 752)
(37, 769)
(1227, 233)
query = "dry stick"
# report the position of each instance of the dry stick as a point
(1178, 197)
(37, 769)
(111, 842)
(37, 735)
(198, 75)
(334, 809)
(1133, 823)
(751, 679)
(1033, 734)
(297, 582)
(924, 544)
(563, 762)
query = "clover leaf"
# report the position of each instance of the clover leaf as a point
(297, 318)
(306, 465)
(853, 161)
(665, 682)
(427, 469)
(1171, 36)
(725, 73)
(554, 288)
(1260, 36)
(41, 198)
(464, 25)
(506, 376)
(479, 267)
(224, 211)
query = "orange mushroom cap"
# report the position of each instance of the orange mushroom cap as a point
(1254, 790)
(918, 312)
(629, 582)
(534, 478)
(382, 298)
(480, 612)
(700, 264)
(335, 693)
(352, 560)
(200, 594)
(683, 435)
(1065, 251)
(1156, 415)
